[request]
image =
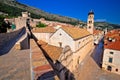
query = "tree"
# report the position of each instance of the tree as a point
(41, 25)
(4, 25)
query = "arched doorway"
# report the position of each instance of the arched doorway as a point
(109, 68)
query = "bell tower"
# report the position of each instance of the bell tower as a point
(90, 22)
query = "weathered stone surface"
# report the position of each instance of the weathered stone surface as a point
(89, 70)
(15, 65)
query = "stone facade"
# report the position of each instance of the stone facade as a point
(25, 14)
(20, 22)
(90, 22)
(62, 39)
(66, 58)
(111, 60)
(111, 54)
(9, 39)
(43, 36)
(80, 48)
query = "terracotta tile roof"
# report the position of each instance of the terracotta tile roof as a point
(40, 65)
(115, 45)
(47, 29)
(53, 51)
(42, 42)
(41, 68)
(75, 32)
(112, 32)
(96, 32)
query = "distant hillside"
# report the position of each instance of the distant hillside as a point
(14, 8)
(107, 25)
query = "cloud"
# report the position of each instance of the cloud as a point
(100, 20)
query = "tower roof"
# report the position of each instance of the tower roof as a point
(91, 12)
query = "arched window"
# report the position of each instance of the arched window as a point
(79, 45)
(60, 34)
(78, 61)
(89, 26)
(90, 21)
(116, 70)
(109, 68)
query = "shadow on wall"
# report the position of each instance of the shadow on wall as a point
(97, 54)
(47, 76)
(62, 72)
(8, 40)
(59, 69)
(25, 44)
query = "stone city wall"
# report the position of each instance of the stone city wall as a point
(7, 39)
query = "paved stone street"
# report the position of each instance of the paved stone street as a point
(15, 65)
(89, 69)
(98, 53)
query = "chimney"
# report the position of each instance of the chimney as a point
(113, 40)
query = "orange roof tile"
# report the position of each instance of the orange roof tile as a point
(75, 32)
(53, 51)
(113, 45)
(42, 42)
(96, 32)
(47, 29)
(114, 34)
(41, 68)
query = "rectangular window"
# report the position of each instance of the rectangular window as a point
(60, 43)
(110, 60)
(111, 52)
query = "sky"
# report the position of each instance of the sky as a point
(104, 10)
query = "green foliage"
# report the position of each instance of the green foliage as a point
(41, 25)
(107, 25)
(15, 8)
(1, 19)
(12, 11)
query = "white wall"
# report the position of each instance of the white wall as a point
(79, 52)
(43, 36)
(84, 48)
(64, 38)
(83, 41)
